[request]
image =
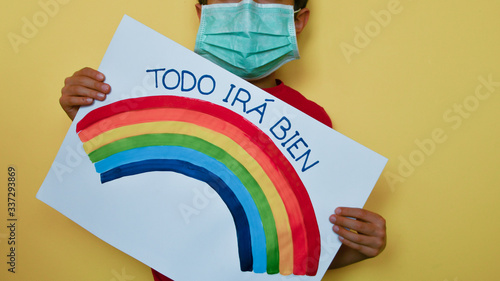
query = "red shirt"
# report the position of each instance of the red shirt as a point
(300, 102)
(295, 99)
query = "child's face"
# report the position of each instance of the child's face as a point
(284, 2)
(251, 39)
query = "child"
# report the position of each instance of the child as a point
(254, 57)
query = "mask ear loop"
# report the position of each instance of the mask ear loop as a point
(295, 13)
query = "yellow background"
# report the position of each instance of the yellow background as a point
(442, 217)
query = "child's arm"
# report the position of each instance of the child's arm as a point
(82, 88)
(366, 239)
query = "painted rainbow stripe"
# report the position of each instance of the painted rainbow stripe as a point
(276, 226)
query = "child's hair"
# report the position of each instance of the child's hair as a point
(299, 4)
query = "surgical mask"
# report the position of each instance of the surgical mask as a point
(248, 39)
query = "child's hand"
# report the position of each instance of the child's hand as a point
(370, 239)
(85, 86)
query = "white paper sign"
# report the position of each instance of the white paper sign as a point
(201, 175)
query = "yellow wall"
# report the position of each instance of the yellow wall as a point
(399, 91)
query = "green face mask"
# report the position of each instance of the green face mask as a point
(248, 39)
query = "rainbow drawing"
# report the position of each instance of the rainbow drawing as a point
(276, 226)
